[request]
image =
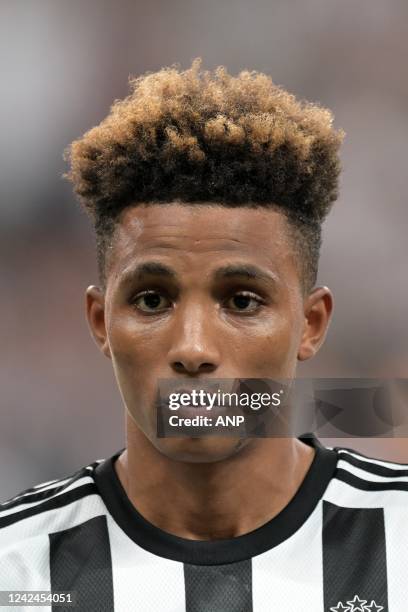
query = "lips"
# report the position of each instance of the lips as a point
(206, 388)
(186, 390)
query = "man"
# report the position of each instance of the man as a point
(207, 193)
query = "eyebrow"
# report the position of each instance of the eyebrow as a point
(150, 268)
(244, 270)
(239, 270)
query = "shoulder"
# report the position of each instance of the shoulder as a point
(363, 481)
(47, 507)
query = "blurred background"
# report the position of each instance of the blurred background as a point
(62, 65)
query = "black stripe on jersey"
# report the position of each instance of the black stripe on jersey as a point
(50, 504)
(80, 561)
(369, 485)
(373, 468)
(218, 587)
(32, 495)
(354, 555)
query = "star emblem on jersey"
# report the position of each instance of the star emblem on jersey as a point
(357, 605)
(340, 608)
(373, 607)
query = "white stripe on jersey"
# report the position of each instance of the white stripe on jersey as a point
(289, 564)
(26, 567)
(142, 577)
(396, 532)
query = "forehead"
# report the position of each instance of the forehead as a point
(200, 232)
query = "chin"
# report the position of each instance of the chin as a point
(200, 449)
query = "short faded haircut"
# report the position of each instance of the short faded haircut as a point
(199, 136)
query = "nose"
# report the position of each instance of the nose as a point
(194, 348)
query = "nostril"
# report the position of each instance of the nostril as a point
(179, 366)
(207, 366)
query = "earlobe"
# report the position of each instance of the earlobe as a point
(306, 351)
(317, 311)
(95, 313)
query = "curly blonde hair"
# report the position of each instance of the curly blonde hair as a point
(206, 136)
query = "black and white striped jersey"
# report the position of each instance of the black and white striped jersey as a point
(340, 545)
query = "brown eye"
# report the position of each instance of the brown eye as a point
(150, 301)
(244, 301)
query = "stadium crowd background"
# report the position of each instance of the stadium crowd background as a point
(62, 66)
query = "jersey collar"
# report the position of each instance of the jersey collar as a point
(206, 552)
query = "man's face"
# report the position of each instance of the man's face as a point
(201, 292)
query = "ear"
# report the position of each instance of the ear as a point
(95, 312)
(318, 308)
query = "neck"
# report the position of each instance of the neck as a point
(210, 501)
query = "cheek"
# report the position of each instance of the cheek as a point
(134, 356)
(273, 349)
(131, 344)
(134, 360)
